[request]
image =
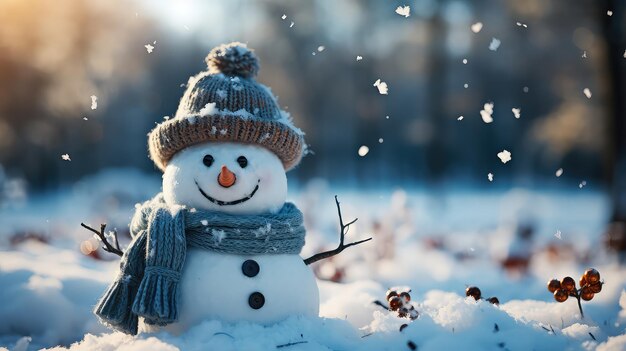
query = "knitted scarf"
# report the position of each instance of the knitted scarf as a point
(150, 269)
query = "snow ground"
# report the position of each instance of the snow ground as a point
(434, 244)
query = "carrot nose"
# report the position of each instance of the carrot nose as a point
(226, 178)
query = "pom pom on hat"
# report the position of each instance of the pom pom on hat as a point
(233, 59)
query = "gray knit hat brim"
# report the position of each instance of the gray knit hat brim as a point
(176, 134)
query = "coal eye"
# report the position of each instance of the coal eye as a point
(243, 162)
(208, 160)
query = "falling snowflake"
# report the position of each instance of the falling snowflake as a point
(382, 87)
(66, 157)
(476, 27)
(204, 222)
(558, 234)
(610, 13)
(291, 25)
(582, 184)
(403, 11)
(587, 93)
(221, 94)
(363, 150)
(584, 55)
(149, 48)
(494, 45)
(487, 112)
(525, 89)
(465, 85)
(380, 140)
(520, 24)
(94, 102)
(85, 118)
(504, 156)
(359, 58)
(624, 53)
(284, 16)
(320, 48)
(460, 118)
(490, 177)
(559, 172)
(516, 112)
(465, 61)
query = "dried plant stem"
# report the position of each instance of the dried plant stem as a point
(343, 231)
(108, 247)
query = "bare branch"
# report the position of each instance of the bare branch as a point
(343, 230)
(102, 237)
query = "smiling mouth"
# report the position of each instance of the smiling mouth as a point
(227, 203)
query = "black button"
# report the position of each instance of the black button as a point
(250, 268)
(256, 300)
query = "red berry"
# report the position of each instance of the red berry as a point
(595, 288)
(474, 292)
(405, 296)
(586, 294)
(568, 284)
(390, 294)
(394, 303)
(560, 295)
(554, 285)
(592, 276)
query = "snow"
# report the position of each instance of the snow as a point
(504, 156)
(516, 112)
(150, 47)
(66, 157)
(404, 11)
(609, 13)
(94, 102)
(52, 287)
(494, 45)
(382, 87)
(363, 150)
(490, 177)
(359, 58)
(487, 112)
(559, 172)
(476, 27)
(587, 93)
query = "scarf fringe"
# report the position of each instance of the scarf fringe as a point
(158, 295)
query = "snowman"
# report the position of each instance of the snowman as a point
(220, 241)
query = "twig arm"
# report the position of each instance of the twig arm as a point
(114, 249)
(342, 234)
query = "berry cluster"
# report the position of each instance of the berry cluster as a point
(400, 302)
(475, 292)
(590, 285)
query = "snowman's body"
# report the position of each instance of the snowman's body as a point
(230, 287)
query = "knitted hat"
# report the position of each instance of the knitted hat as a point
(226, 103)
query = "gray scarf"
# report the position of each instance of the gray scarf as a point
(151, 266)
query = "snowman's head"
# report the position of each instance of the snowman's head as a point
(227, 177)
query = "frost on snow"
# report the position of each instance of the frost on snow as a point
(504, 156)
(490, 177)
(516, 112)
(494, 45)
(487, 112)
(363, 150)
(403, 10)
(587, 93)
(382, 87)
(66, 157)
(476, 27)
(559, 172)
(94, 102)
